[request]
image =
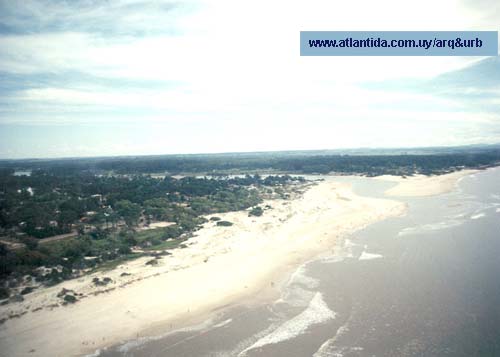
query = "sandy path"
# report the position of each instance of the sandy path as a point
(221, 266)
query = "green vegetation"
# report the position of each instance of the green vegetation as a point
(4, 292)
(46, 204)
(224, 223)
(27, 290)
(105, 216)
(70, 299)
(105, 281)
(366, 162)
(256, 211)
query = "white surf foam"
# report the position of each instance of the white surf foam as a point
(127, 346)
(369, 256)
(317, 312)
(430, 227)
(223, 323)
(477, 216)
(328, 348)
(340, 352)
(300, 277)
(295, 296)
(299, 289)
(350, 243)
(341, 253)
(241, 348)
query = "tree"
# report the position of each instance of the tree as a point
(130, 212)
(256, 211)
(80, 228)
(67, 217)
(3, 249)
(31, 243)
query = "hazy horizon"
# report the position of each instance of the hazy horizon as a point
(134, 77)
(362, 150)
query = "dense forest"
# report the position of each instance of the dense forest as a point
(46, 203)
(396, 162)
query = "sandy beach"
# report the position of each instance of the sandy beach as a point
(220, 267)
(421, 185)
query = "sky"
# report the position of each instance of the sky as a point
(134, 77)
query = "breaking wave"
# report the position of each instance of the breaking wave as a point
(316, 313)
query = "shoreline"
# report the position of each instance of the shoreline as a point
(422, 185)
(246, 263)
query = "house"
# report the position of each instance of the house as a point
(97, 197)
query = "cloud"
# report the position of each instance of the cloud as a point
(474, 88)
(131, 18)
(235, 66)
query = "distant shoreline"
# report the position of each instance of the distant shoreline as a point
(420, 185)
